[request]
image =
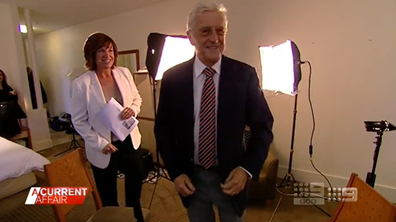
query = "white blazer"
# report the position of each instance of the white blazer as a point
(88, 99)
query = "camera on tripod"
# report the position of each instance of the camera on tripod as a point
(379, 126)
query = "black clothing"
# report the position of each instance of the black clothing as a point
(10, 112)
(130, 162)
(33, 92)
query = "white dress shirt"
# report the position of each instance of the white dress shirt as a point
(198, 82)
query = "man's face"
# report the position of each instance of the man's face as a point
(208, 36)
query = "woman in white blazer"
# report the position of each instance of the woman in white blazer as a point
(106, 153)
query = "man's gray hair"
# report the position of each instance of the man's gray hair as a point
(205, 7)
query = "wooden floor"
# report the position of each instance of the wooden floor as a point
(166, 205)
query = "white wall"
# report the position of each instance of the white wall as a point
(349, 43)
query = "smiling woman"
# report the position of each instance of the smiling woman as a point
(108, 154)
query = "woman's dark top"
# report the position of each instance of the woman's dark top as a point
(5, 95)
(10, 112)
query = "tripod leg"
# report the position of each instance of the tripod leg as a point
(294, 180)
(276, 209)
(164, 174)
(78, 144)
(63, 152)
(157, 175)
(283, 180)
(152, 195)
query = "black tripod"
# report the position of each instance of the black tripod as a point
(74, 143)
(160, 171)
(370, 179)
(289, 176)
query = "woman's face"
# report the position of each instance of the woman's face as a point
(105, 57)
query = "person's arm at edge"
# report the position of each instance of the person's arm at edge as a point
(260, 120)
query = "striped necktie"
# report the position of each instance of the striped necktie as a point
(207, 125)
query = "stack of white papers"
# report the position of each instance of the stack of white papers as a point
(110, 115)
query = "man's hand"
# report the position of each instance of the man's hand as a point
(184, 185)
(109, 149)
(235, 182)
(127, 113)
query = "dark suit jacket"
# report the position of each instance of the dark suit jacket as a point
(240, 103)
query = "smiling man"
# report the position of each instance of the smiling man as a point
(204, 107)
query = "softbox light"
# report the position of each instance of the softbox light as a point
(280, 65)
(166, 51)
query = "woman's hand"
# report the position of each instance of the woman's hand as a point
(127, 113)
(13, 93)
(109, 149)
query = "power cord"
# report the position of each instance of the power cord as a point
(312, 132)
(312, 135)
(313, 124)
(300, 193)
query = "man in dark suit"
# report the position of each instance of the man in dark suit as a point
(204, 107)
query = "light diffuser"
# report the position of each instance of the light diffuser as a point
(176, 50)
(166, 51)
(280, 66)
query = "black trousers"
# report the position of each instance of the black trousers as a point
(130, 162)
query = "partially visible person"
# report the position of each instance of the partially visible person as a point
(107, 153)
(10, 111)
(204, 106)
(33, 91)
(7, 93)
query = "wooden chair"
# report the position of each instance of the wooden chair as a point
(71, 171)
(370, 206)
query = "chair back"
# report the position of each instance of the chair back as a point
(370, 206)
(71, 171)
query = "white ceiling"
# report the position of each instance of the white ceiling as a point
(51, 15)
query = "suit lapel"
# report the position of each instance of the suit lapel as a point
(225, 84)
(225, 100)
(97, 89)
(187, 95)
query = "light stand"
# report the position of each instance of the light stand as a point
(289, 174)
(160, 171)
(74, 143)
(281, 70)
(163, 52)
(370, 178)
(379, 127)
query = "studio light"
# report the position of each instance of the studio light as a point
(281, 73)
(166, 51)
(280, 65)
(379, 127)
